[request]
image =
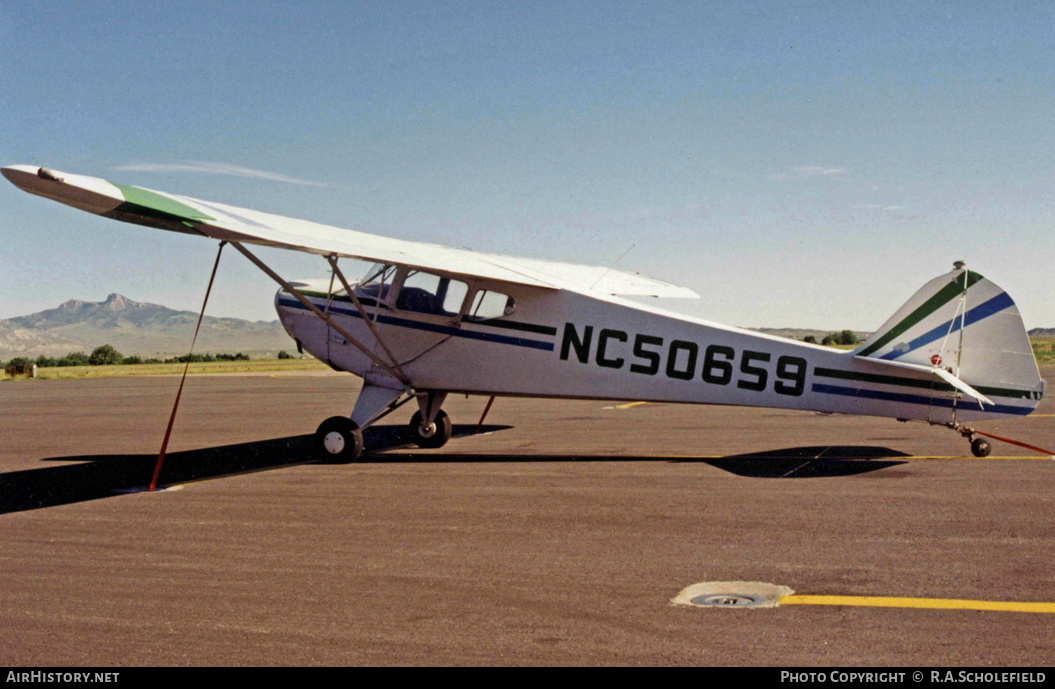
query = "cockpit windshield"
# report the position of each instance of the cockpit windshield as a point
(379, 272)
(377, 280)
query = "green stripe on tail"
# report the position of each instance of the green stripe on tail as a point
(944, 296)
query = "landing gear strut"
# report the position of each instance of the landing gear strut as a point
(980, 447)
(430, 427)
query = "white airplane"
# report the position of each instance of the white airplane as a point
(429, 320)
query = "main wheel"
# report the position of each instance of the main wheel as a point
(431, 438)
(338, 440)
(981, 447)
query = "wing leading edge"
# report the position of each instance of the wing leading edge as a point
(220, 221)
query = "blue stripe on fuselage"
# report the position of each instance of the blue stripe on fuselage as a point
(919, 399)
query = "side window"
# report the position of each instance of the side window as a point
(488, 304)
(427, 293)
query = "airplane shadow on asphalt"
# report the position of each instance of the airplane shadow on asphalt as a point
(794, 462)
(102, 476)
(809, 462)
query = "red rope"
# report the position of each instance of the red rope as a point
(179, 393)
(1015, 442)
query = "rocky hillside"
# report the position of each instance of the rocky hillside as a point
(133, 328)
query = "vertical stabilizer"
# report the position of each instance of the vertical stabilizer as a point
(968, 326)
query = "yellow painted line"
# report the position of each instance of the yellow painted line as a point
(932, 603)
(849, 459)
(1041, 416)
(980, 459)
(629, 404)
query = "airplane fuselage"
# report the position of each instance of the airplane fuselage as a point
(569, 345)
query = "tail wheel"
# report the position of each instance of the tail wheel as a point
(434, 436)
(981, 447)
(338, 440)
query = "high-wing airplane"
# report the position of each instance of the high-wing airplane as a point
(428, 320)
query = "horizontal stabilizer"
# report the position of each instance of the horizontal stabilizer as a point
(941, 373)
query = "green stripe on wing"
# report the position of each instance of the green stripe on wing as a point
(150, 204)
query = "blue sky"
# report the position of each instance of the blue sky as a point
(796, 164)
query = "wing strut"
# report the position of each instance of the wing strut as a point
(362, 312)
(397, 374)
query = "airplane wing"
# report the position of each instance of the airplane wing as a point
(220, 221)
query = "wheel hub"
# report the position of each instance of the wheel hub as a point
(334, 442)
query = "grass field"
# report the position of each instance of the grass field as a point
(252, 366)
(1043, 349)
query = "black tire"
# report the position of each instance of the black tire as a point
(981, 447)
(338, 440)
(438, 438)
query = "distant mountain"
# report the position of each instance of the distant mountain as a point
(1042, 332)
(133, 328)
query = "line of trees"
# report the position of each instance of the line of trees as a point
(107, 355)
(844, 337)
